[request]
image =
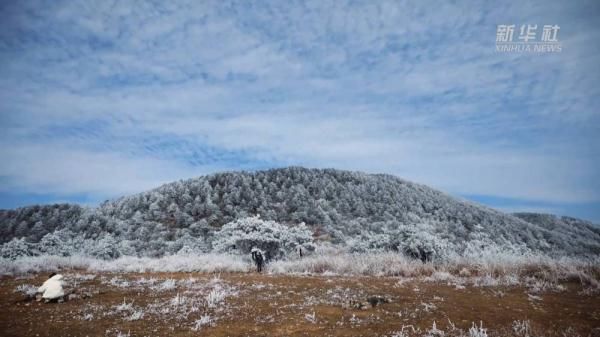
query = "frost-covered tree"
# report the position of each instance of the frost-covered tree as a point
(106, 248)
(16, 248)
(54, 244)
(187, 244)
(126, 247)
(275, 239)
(368, 242)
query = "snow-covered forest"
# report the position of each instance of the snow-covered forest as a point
(289, 208)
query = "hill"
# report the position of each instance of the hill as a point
(568, 227)
(353, 209)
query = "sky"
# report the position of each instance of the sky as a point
(100, 99)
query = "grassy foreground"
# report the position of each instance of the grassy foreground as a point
(250, 304)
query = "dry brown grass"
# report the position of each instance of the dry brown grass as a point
(277, 305)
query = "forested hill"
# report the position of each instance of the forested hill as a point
(562, 225)
(365, 211)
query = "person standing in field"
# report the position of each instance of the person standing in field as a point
(258, 258)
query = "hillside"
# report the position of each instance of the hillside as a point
(36, 221)
(565, 226)
(361, 211)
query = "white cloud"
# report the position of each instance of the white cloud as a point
(64, 171)
(416, 91)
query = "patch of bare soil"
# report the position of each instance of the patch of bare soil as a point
(191, 304)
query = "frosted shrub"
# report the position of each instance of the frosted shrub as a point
(422, 244)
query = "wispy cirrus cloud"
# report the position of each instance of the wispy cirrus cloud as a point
(115, 97)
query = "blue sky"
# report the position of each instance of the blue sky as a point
(101, 99)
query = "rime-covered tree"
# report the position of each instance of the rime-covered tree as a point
(275, 239)
(16, 248)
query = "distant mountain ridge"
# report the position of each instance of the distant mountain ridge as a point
(364, 211)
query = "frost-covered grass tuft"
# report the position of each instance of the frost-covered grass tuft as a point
(434, 331)
(478, 331)
(311, 318)
(166, 285)
(522, 328)
(124, 306)
(26, 289)
(119, 282)
(83, 277)
(179, 300)
(215, 297)
(87, 317)
(136, 315)
(204, 320)
(145, 282)
(188, 282)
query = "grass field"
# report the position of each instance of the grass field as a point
(250, 304)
